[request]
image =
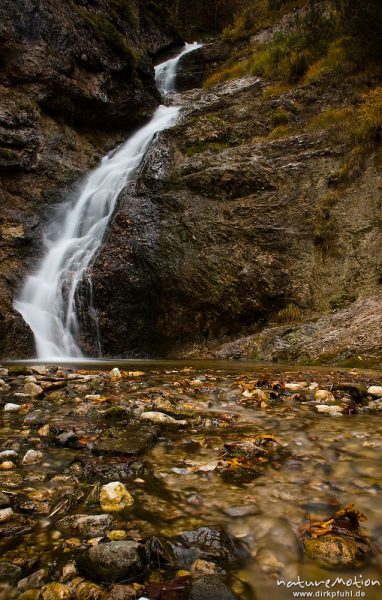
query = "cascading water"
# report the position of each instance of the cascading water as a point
(48, 299)
(165, 73)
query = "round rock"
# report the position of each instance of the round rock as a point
(334, 551)
(114, 497)
(10, 407)
(209, 587)
(112, 562)
(33, 457)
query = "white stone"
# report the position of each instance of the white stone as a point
(335, 410)
(258, 395)
(33, 457)
(30, 379)
(296, 387)
(4, 387)
(3, 372)
(114, 497)
(313, 386)
(375, 390)
(8, 455)
(324, 397)
(9, 407)
(40, 370)
(162, 419)
(33, 389)
(115, 373)
(6, 514)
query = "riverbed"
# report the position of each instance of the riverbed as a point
(86, 425)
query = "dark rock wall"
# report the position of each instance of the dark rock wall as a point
(75, 78)
(222, 231)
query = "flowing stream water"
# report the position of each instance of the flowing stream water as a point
(48, 299)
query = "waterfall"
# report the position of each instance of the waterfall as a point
(165, 73)
(48, 298)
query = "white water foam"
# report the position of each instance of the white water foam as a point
(48, 299)
(165, 73)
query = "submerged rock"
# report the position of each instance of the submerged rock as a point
(56, 591)
(334, 551)
(162, 419)
(89, 591)
(32, 457)
(206, 543)
(33, 581)
(209, 587)
(86, 526)
(9, 573)
(112, 562)
(133, 439)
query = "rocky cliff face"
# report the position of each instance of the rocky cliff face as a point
(232, 223)
(75, 77)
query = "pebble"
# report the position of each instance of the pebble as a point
(32, 457)
(296, 387)
(8, 455)
(375, 390)
(4, 500)
(3, 372)
(69, 571)
(117, 535)
(324, 397)
(89, 591)
(335, 410)
(56, 591)
(114, 497)
(44, 431)
(204, 567)
(4, 387)
(268, 561)
(7, 465)
(10, 407)
(162, 419)
(39, 369)
(115, 373)
(6, 514)
(33, 389)
(33, 581)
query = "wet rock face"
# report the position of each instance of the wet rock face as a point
(195, 67)
(220, 234)
(75, 77)
(85, 62)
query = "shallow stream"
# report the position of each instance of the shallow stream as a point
(321, 463)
